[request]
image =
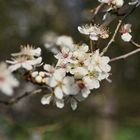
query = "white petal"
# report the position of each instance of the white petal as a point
(85, 92)
(67, 89)
(46, 99)
(34, 74)
(59, 74)
(35, 61)
(91, 83)
(59, 103)
(94, 37)
(37, 52)
(126, 37)
(14, 67)
(11, 80)
(52, 82)
(68, 80)
(48, 67)
(58, 93)
(7, 89)
(105, 59)
(73, 104)
(27, 66)
(82, 31)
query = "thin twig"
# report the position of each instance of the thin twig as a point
(135, 44)
(17, 99)
(125, 55)
(97, 9)
(113, 38)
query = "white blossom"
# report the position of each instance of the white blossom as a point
(93, 31)
(64, 56)
(23, 62)
(125, 32)
(28, 51)
(7, 80)
(61, 83)
(99, 63)
(84, 89)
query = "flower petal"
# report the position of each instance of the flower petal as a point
(73, 104)
(46, 99)
(58, 93)
(14, 67)
(59, 103)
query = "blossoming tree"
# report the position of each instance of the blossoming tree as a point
(80, 68)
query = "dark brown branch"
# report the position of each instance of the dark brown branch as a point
(17, 99)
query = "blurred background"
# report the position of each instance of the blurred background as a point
(110, 113)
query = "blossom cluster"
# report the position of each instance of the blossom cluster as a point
(76, 73)
(79, 68)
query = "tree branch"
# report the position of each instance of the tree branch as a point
(17, 99)
(125, 55)
(113, 38)
(135, 44)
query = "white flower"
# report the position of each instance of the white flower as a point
(84, 90)
(64, 56)
(79, 72)
(94, 32)
(23, 62)
(46, 99)
(125, 31)
(65, 41)
(7, 80)
(98, 62)
(62, 84)
(28, 51)
(90, 30)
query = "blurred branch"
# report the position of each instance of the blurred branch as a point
(17, 99)
(125, 55)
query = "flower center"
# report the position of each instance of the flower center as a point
(91, 74)
(65, 55)
(81, 84)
